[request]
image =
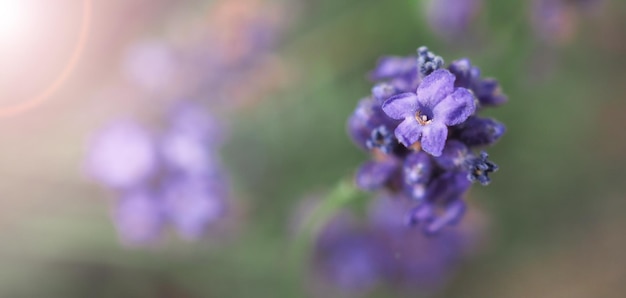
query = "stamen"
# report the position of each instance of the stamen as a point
(422, 119)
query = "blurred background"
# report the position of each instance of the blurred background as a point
(282, 77)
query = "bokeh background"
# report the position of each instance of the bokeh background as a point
(555, 209)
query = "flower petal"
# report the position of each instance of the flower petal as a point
(455, 108)
(435, 87)
(408, 132)
(434, 138)
(401, 106)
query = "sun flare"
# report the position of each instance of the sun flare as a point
(14, 20)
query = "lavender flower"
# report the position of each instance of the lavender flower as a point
(478, 131)
(192, 203)
(172, 177)
(122, 155)
(382, 249)
(553, 20)
(429, 160)
(428, 113)
(451, 18)
(480, 167)
(427, 61)
(381, 139)
(374, 175)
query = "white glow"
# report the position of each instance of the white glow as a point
(14, 20)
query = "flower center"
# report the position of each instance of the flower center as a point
(422, 119)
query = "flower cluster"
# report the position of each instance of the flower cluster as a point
(171, 177)
(421, 125)
(357, 256)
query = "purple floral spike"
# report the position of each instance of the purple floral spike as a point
(139, 218)
(122, 155)
(428, 113)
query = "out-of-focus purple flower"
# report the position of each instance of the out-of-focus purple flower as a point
(480, 167)
(139, 218)
(382, 92)
(553, 20)
(454, 156)
(451, 18)
(487, 90)
(357, 256)
(122, 155)
(416, 260)
(418, 169)
(444, 205)
(192, 118)
(428, 113)
(348, 256)
(478, 131)
(192, 203)
(373, 175)
(190, 143)
(173, 177)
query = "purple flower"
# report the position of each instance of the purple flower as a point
(478, 131)
(454, 156)
(122, 155)
(382, 139)
(367, 116)
(373, 175)
(139, 218)
(382, 92)
(427, 61)
(349, 256)
(428, 113)
(444, 205)
(553, 20)
(192, 203)
(480, 167)
(487, 91)
(418, 169)
(451, 18)
(414, 259)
